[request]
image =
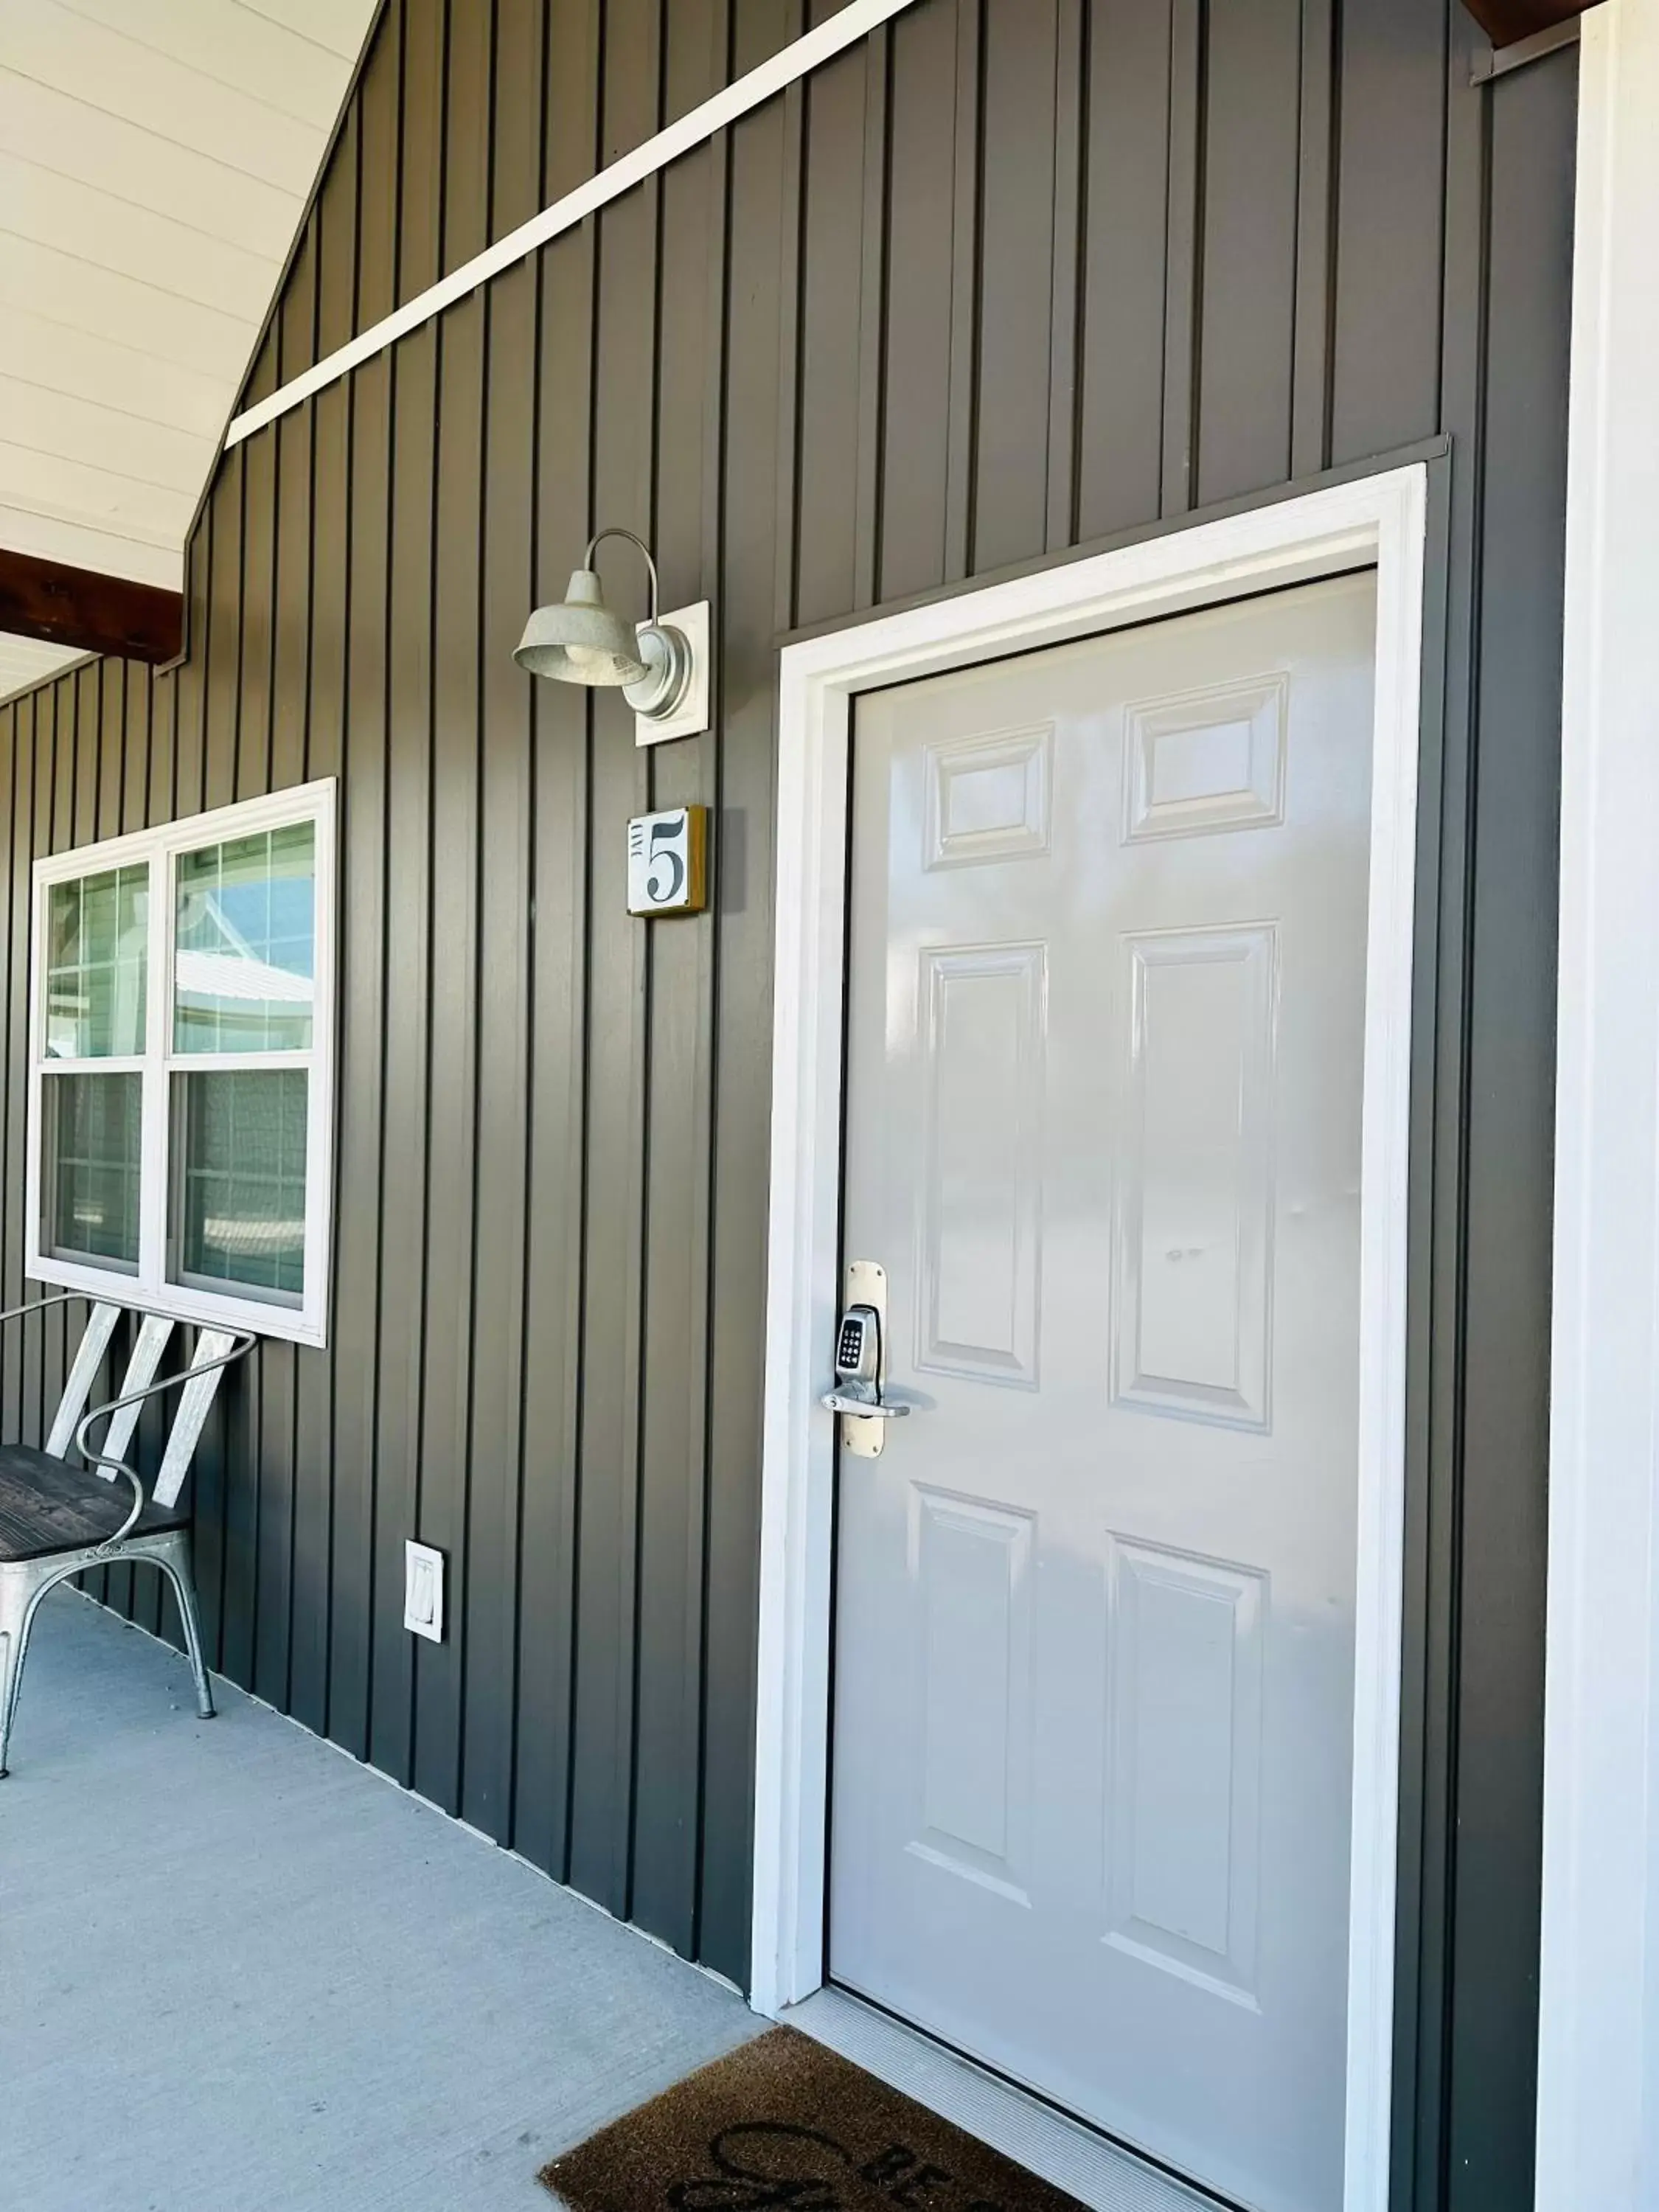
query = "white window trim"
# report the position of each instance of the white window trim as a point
(307, 1323)
(1598, 2048)
(1378, 520)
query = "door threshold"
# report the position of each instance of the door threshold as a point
(1063, 2151)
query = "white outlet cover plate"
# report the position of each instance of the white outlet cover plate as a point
(692, 719)
(423, 1591)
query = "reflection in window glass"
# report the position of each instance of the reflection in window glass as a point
(95, 964)
(91, 1139)
(242, 1203)
(244, 958)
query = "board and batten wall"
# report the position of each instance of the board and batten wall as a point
(1011, 277)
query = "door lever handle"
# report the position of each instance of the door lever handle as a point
(862, 1409)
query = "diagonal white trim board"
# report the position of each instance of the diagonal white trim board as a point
(1598, 2055)
(1380, 520)
(844, 29)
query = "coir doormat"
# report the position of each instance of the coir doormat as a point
(785, 2125)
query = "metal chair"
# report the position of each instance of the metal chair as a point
(57, 1519)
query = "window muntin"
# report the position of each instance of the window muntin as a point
(181, 1102)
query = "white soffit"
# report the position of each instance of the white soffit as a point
(156, 160)
(25, 662)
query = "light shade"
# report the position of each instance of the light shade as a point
(580, 640)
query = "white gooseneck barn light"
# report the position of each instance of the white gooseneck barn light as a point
(581, 641)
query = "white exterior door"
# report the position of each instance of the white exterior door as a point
(1095, 1604)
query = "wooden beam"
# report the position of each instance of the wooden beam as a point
(92, 613)
(1503, 21)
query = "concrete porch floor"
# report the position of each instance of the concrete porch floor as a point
(237, 1971)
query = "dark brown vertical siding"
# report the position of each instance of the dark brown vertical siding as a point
(553, 1303)
(494, 1441)
(105, 776)
(284, 738)
(1391, 108)
(757, 246)
(156, 699)
(915, 326)
(1248, 203)
(1010, 275)
(1123, 251)
(1015, 139)
(1183, 268)
(673, 1439)
(451, 984)
(1317, 123)
(123, 792)
(605, 1582)
(831, 336)
(238, 767)
(321, 736)
(1520, 551)
(403, 1222)
(356, 1592)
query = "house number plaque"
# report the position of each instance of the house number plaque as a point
(668, 861)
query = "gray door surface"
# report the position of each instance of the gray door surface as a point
(1095, 1604)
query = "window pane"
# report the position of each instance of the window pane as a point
(96, 929)
(92, 1126)
(240, 1143)
(245, 933)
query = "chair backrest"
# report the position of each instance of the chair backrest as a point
(84, 1373)
(194, 1400)
(196, 1396)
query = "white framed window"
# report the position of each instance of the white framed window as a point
(181, 1066)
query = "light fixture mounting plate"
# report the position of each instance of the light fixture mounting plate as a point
(690, 718)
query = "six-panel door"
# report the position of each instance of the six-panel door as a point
(1095, 1605)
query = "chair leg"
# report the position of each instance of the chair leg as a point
(175, 1563)
(18, 1592)
(11, 1636)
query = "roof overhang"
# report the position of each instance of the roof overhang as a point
(80, 611)
(1507, 21)
(155, 166)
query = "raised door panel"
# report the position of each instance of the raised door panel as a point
(1184, 1763)
(987, 797)
(1206, 760)
(971, 1565)
(980, 1257)
(1193, 1218)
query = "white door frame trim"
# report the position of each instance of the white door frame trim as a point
(1381, 520)
(1598, 2092)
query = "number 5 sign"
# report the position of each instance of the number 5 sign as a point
(667, 861)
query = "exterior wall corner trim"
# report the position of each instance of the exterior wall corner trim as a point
(1598, 2099)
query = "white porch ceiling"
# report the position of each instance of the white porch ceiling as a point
(155, 159)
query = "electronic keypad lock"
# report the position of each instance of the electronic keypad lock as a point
(861, 1364)
(858, 1348)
